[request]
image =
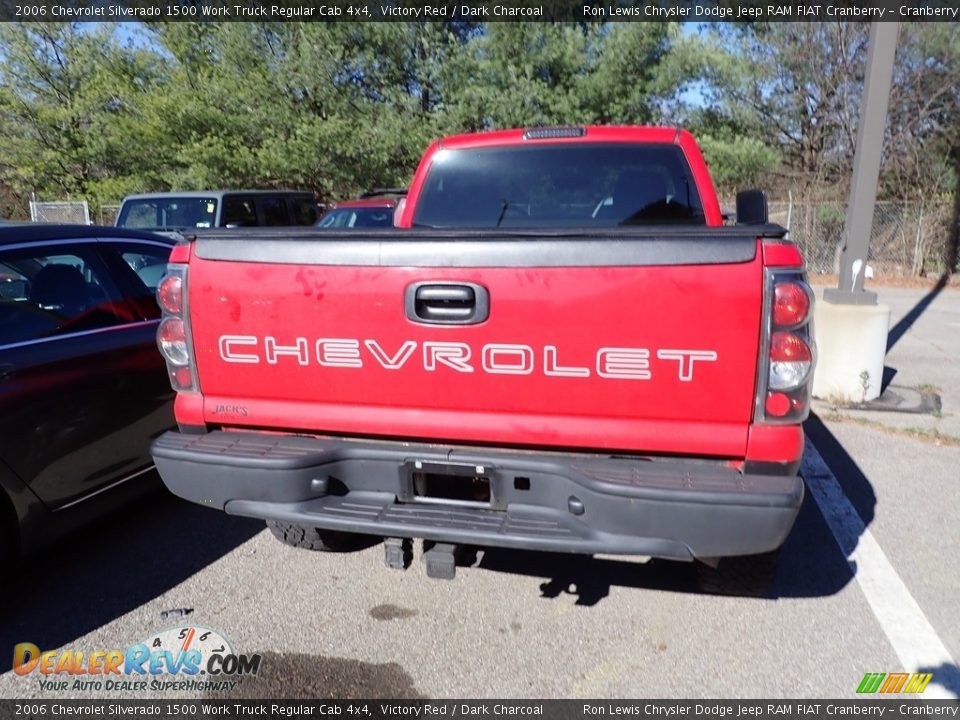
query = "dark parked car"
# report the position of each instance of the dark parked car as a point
(372, 209)
(176, 211)
(83, 389)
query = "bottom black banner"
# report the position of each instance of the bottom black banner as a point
(559, 709)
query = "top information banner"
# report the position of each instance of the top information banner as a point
(359, 709)
(477, 10)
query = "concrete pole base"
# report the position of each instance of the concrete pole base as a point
(851, 346)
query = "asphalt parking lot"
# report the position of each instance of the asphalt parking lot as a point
(868, 583)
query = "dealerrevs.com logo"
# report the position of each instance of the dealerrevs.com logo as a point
(178, 659)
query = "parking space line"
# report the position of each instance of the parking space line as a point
(912, 636)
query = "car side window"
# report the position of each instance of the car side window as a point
(13, 284)
(374, 217)
(338, 218)
(55, 291)
(139, 269)
(304, 211)
(274, 210)
(238, 212)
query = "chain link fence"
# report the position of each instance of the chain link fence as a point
(64, 212)
(72, 213)
(907, 240)
(107, 214)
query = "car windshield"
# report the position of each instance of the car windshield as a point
(354, 217)
(559, 185)
(168, 213)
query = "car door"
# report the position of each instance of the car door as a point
(80, 385)
(137, 266)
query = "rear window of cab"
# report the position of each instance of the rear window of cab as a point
(559, 184)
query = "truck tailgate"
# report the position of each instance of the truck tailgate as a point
(641, 344)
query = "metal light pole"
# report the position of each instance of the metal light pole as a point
(866, 167)
(850, 325)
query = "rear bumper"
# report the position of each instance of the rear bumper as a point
(540, 501)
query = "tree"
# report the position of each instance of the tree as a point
(737, 162)
(69, 100)
(794, 87)
(922, 131)
(335, 108)
(522, 74)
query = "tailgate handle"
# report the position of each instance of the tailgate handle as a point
(447, 303)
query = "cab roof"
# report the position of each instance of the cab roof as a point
(573, 133)
(216, 194)
(371, 202)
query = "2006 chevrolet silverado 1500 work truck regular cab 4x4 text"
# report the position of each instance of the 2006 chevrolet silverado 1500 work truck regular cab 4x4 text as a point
(560, 348)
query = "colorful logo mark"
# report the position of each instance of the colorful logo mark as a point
(892, 683)
(177, 651)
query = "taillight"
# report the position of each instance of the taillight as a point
(173, 333)
(790, 361)
(787, 353)
(170, 294)
(181, 378)
(172, 338)
(791, 304)
(777, 404)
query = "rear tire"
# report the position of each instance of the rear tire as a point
(742, 575)
(309, 538)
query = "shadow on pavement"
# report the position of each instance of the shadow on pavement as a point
(889, 374)
(294, 675)
(111, 568)
(906, 322)
(900, 329)
(946, 676)
(855, 484)
(811, 564)
(589, 578)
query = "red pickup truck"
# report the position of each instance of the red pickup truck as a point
(562, 348)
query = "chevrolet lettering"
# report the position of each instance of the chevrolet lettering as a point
(493, 358)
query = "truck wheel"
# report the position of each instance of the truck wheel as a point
(743, 575)
(310, 538)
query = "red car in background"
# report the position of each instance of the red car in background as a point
(372, 209)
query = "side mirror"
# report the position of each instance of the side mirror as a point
(752, 207)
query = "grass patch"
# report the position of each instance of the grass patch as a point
(928, 435)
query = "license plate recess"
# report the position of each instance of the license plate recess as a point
(458, 484)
